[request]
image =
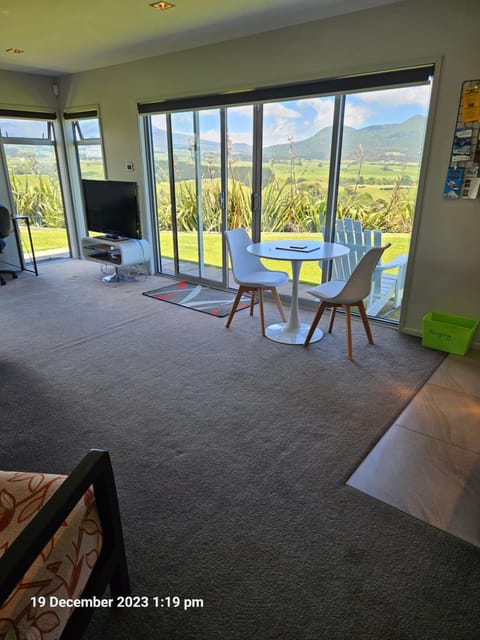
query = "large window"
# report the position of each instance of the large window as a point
(293, 161)
(85, 132)
(29, 147)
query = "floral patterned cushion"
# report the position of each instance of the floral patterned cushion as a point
(32, 611)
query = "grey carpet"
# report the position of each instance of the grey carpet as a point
(231, 454)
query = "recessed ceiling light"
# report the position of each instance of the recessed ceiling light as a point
(14, 51)
(162, 5)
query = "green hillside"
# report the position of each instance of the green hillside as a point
(401, 142)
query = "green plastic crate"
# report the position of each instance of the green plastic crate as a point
(448, 333)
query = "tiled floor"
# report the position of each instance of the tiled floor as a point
(428, 463)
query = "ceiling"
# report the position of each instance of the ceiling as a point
(65, 36)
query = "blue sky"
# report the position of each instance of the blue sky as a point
(300, 119)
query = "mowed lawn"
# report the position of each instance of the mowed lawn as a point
(310, 272)
(54, 239)
(44, 239)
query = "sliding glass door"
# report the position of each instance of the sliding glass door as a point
(296, 147)
(187, 149)
(291, 167)
(239, 166)
(203, 167)
(382, 143)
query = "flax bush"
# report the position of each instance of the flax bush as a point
(291, 203)
(39, 198)
(282, 208)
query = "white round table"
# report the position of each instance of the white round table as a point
(293, 331)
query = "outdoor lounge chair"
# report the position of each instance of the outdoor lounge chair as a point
(388, 278)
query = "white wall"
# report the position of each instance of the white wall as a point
(19, 90)
(444, 273)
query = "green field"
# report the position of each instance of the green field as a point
(310, 272)
(45, 240)
(380, 194)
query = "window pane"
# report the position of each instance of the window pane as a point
(381, 154)
(89, 148)
(162, 186)
(36, 192)
(13, 128)
(186, 196)
(210, 229)
(239, 167)
(88, 129)
(297, 138)
(91, 161)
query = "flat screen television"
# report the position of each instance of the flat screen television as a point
(111, 208)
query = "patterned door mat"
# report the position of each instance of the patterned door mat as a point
(200, 298)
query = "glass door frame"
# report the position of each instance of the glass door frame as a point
(339, 88)
(54, 132)
(177, 271)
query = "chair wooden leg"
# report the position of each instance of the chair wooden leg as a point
(332, 318)
(240, 292)
(262, 314)
(252, 301)
(316, 320)
(366, 324)
(276, 297)
(348, 322)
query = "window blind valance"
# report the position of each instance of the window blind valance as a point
(328, 86)
(31, 115)
(79, 115)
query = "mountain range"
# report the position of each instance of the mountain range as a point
(402, 142)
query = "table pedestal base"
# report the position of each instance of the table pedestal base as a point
(281, 332)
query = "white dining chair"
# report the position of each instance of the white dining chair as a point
(347, 294)
(251, 275)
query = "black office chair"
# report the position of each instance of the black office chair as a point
(6, 229)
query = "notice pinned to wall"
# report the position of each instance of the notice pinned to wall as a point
(471, 103)
(463, 174)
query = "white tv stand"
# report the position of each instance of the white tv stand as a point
(117, 253)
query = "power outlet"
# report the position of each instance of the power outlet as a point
(129, 165)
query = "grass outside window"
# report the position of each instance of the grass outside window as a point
(51, 239)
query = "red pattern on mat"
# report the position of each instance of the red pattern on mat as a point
(180, 293)
(164, 296)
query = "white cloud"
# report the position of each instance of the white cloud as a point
(355, 115)
(279, 132)
(419, 95)
(243, 110)
(212, 134)
(278, 110)
(324, 114)
(296, 123)
(280, 123)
